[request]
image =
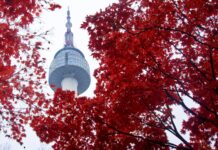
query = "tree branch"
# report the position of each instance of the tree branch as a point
(142, 138)
(177, 134)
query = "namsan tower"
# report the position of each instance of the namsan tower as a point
(69, 69)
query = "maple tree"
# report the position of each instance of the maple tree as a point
(21, 66)
(153, 55)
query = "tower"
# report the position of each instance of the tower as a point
(69, 69)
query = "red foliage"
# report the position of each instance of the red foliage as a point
(153, 55)
(54, 6)
(81, 123)
(19, 66)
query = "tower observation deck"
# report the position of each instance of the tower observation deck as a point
(69, 69)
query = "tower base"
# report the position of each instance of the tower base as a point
(70, 84)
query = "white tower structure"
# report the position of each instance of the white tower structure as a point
(69, 69)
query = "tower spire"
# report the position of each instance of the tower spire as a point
(68, 34)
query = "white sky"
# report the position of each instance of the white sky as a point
(55, 22)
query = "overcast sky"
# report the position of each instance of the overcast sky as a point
(55, 22)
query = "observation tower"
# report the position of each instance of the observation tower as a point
(69, 69)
